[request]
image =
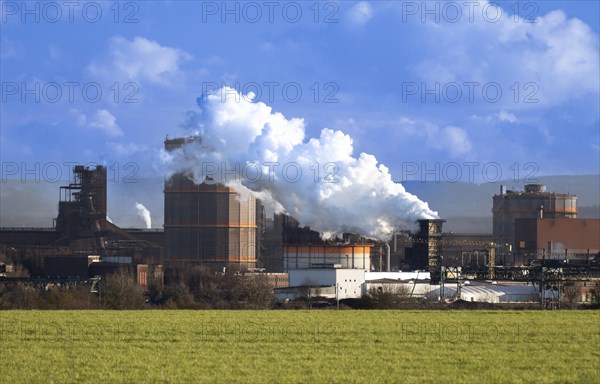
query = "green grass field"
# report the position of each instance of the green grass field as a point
(300, 346)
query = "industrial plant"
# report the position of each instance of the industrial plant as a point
(538, 247)
(82, 244)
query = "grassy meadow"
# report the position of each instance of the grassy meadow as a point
(300, 346)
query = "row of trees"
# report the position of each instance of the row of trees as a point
(198, 288)
(117, 291)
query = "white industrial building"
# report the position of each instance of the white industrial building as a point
(338, 283)
(332, 271)
(331, 283)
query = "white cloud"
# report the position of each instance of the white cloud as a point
(360, 13)
(141, 59)
(454, 140)
(557, 55)
(102, 120)
(126, 149)
(502, 116)
(106, 122)
(79, 117)
(508, 117)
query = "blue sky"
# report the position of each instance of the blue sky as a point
(415, 87)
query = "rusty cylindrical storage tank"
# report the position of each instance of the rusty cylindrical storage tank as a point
(207, 223)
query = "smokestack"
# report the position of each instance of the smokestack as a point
(502, 190)
(387, 257)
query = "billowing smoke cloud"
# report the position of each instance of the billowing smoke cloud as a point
(247, 146)
(144, 213)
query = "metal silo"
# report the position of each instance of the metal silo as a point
(207, 223)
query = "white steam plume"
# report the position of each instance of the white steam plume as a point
(247, 146)
(144, 213)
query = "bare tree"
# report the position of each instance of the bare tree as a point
(119, 291)
(309, 291)
(4, 296)
(257, 292)
(213, 289)
(20, 296)
(74, 297)
(403, 294)
(596, 296)
(570, 295)
(178, 295)
(389, 296)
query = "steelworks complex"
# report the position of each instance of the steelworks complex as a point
(537, 245)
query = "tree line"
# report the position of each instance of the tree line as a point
(196, 288)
